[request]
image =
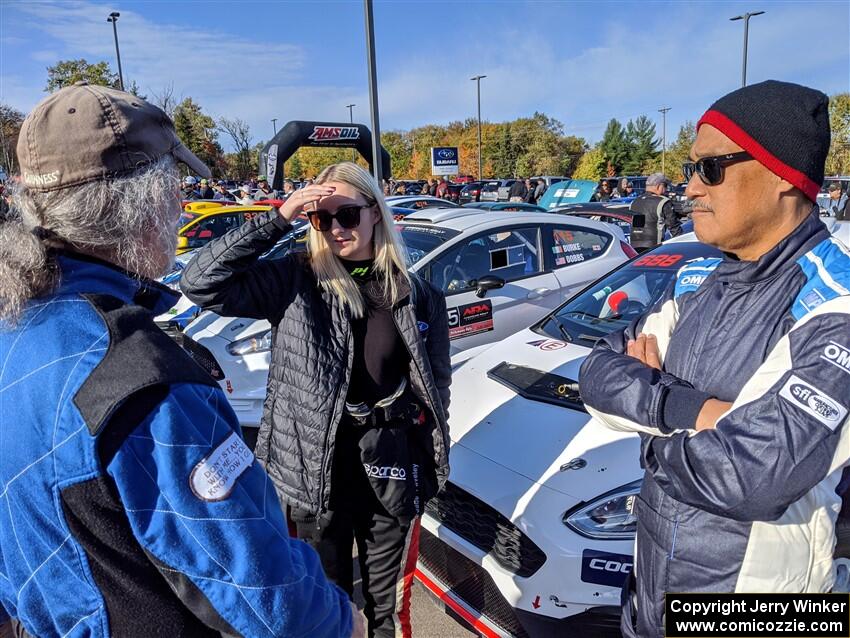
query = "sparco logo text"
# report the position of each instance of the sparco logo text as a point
(385, 472)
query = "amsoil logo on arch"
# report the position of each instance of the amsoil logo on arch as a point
(334, 133)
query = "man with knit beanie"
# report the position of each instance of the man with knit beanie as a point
(738, 380)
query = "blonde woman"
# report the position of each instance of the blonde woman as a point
(354, 431)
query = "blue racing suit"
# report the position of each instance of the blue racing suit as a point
(129, 505)
(751, 505)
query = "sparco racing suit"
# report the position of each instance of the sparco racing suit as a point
(751, 505)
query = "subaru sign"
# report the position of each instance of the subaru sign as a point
(444, 160)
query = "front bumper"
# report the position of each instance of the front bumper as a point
(472, 597)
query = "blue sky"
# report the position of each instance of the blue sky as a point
(581, 62)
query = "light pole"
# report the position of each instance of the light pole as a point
(663, 112)
(113, 18)
(477, 79)
(274, 125)
(350, 108)
(746, 18)
(373, 93)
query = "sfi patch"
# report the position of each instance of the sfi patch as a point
(214, 478)
(814, 402)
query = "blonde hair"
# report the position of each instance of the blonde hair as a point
(388, 249)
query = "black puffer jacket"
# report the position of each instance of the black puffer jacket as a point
(312, 356)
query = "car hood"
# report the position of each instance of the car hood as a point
(534, 439)
(228, 328)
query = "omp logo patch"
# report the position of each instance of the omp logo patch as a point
(813, 401)
(214, 478)
(605, 568)
(837, 355)
(692, 280)
(385, 472)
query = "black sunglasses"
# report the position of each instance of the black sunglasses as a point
(346, 216)
(710, 169)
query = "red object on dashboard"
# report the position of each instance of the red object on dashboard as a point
(615, 299)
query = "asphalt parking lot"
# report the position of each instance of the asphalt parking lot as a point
(428, 620)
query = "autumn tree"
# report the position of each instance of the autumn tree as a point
(590, 165)
(240, 135)
(67, 72)
(10, 127)
(838, 159)
(166, 99)
(676, 155)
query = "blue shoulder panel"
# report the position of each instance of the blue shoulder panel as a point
(691, 277)
(827, 270)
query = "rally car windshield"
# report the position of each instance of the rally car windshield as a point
(624, 295)
(419, 240)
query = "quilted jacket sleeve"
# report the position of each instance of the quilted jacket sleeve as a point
(226, 277)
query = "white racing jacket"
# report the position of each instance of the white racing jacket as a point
(751, 505)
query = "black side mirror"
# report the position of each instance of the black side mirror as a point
(488, 282)
(638, 221)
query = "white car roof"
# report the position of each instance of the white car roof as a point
(473, 219)
(395, 200)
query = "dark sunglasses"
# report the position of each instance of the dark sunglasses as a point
(710, 169)
(347, 217)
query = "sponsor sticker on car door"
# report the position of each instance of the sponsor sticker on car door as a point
(470, 319)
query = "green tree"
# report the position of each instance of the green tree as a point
(67, 72)
(677, 154)
(642, 145)
(615, 148)
(198, 132)
(838, 159)
(504, 155)
(10, 128)
(590, 165)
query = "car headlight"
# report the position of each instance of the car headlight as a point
(608, 517)
(260, 342)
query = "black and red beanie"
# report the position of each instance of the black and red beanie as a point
(783, 126)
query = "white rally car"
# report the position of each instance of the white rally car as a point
(533, 535)
(500, 272)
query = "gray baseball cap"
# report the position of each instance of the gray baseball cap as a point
(84, 133)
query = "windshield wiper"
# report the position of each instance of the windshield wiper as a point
(567, 337)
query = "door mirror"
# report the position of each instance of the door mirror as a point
(638, 220)
(182, 243)
(488, 282)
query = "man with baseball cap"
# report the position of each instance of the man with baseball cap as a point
(737, 380)
(264, 191)
(129, 505)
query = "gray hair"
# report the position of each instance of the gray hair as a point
(656, 179)
(130, 221)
